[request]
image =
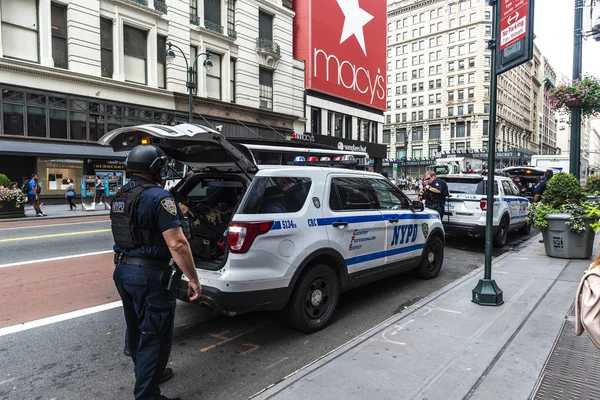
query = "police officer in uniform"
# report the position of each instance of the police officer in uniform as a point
(434, 192)
(147, 232)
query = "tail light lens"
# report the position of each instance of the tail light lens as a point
(483, 204)
(242, 234)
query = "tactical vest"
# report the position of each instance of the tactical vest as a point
(124, 223)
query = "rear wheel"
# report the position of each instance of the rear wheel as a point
(431, 259)
(502, 234)
(314, 299)
(526, 229)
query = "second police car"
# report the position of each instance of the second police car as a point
(466, 208)
(290, 238)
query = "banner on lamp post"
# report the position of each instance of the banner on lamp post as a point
(515, 41)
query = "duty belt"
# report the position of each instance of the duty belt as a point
(121, 258)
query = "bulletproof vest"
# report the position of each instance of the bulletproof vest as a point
(126, 231)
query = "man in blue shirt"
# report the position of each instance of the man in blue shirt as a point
(539, 190)
(147, 232)
(33, 195)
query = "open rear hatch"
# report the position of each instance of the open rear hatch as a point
(197, 146)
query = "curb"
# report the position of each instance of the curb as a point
(352, 343)
(27, 218)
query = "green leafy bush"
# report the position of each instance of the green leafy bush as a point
(592, 185)
(4, 181)
(561, 189)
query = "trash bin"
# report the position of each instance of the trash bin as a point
(560, 242)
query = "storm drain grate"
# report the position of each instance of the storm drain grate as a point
(572, 371)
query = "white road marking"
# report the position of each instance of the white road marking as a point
(44, 226)
(55, 259)
(58, 318)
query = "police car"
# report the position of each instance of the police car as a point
(466, 207)
(289, 237)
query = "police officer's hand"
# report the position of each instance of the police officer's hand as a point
(427, 187)
(185, 210)
(194, 290)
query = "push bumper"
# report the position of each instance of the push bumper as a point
(238, 302)
(470, 229)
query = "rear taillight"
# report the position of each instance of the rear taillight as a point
(483, 204)
(242, 234)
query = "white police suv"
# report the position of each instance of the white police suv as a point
(289, 237)
(466, 208)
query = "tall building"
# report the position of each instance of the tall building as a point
(343, 47)
(547, 120)
(438, 86)
(71, 71)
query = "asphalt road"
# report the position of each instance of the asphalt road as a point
(214, 357)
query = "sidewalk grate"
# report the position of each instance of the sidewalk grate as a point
(572, 371)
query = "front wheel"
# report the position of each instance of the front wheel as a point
(431, 259)
(314, 299)
(526, 229)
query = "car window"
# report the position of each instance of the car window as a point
(269, 195)
(349, 194)
(515, 188)
(200, 192)
(389, 197)
(468, 186)
(508, 189)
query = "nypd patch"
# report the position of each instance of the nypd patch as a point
(169, 205)
(425, 229)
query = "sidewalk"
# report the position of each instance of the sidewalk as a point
(58, 211)
(446, 347)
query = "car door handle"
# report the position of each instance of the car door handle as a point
(394, 220)
(340, 224)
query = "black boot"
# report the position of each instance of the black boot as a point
(168, 374)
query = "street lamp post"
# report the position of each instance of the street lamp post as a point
(191, 81)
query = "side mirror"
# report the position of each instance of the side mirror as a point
(417, 205)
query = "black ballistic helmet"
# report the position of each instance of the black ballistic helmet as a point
(147, 159)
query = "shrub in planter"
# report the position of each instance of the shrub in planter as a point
(4, 181)
(9, 195)
(592, 185)
(564, 194)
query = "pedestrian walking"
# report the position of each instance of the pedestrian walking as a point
(541, 187)
(34, 195)
(149, 245)
(70, 195)
(99, 189)
(434, 192)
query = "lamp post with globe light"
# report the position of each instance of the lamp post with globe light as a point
(190, 83)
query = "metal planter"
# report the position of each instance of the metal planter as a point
(10, 210)
(560, 242)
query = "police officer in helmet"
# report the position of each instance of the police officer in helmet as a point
(435, 192)
(147, 233)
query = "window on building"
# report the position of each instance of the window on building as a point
(486, 76)
(461, 110)
(212, 17)
(471, 93)
(404, 117)
(460, 129)
(400, 154)
(438, 112)
(348, 127)
(388, 120)
(451, 81)
(472, 32)
(417, 133)
(417, 153)
(232, 72)
(462, 35)
(194, 11)
(461, 94)
(161, 55)
(106, 47)
(461, 79)
(266, 88)
(486, 108)
(452, 23)
(431, 99)
(486, 91)
(470, 109)
(397, 118)
(213, 78)
(451, 66)
(450, 111)
(135, 54)
(488, 15)
(20, 38)
(414, 116)
(484, 145)
(435, 131)
(451, 95)
(451, 37)
(438, 97)
(471, 62)
(471, 47)
(420, 115)
(58, 15)
(461, 64)
(486, 127)
(231, 18)
(386, 135)
(488, 30)
(487, 61)
(430, 114)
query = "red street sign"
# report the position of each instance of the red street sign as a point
(513, 21)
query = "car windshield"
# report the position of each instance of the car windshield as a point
(276, 195)
(468, 186)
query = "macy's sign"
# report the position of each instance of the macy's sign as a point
(350, 76)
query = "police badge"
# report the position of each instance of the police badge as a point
(425, 229)
(169, 205)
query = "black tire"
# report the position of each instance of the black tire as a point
(432, 259)
(526, 229)
(314, 299)
(502, 234)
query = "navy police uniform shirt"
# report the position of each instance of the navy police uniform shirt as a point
(438, 197)
(540, 188)
(158, 210)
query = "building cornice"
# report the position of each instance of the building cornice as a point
(23, 67)
(410, 7)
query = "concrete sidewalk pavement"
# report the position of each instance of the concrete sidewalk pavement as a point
(446, 347)
(59, 211)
